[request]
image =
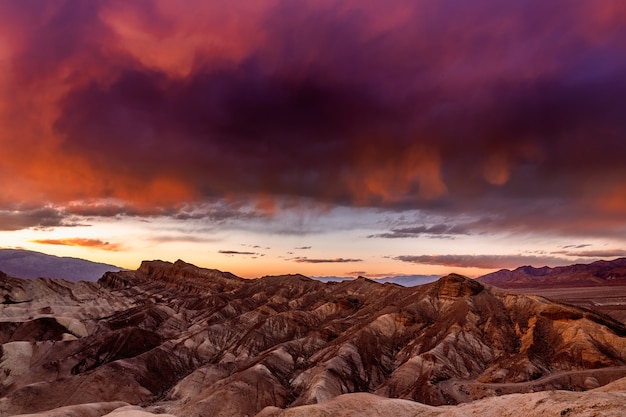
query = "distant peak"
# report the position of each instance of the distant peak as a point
(181, 264)
(455, 285)
(453, 277)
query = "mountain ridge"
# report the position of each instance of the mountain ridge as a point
(28, 264)
(601, 272)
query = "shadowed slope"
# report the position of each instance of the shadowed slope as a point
(29, 264)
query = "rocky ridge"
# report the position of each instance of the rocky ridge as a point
(600, 273)
(187, 341)
(30, 264)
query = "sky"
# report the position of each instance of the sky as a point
(322, 137)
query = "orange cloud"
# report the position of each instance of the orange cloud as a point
(88, 243)
(414, 174)
(611, 198)
(496, 170)
(165, 36)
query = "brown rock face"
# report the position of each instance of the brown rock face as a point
(188, 341)
(455, 285)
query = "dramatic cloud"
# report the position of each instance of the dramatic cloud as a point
(78, 214)
(239, 112)
(42, 218)
(410, 104)
(484, 261)
(325, 261)
(214, 211)
(89, 243)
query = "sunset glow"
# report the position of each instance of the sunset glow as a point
(321, 137)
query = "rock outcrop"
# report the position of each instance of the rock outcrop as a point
(181, 340)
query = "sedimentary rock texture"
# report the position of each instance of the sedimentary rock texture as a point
(186, 341)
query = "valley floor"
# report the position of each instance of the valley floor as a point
(609, 300)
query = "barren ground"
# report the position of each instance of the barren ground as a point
(609, 300)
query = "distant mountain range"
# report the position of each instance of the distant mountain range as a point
(580, 275)
(29, 264)
(600, 273)
(404, 280)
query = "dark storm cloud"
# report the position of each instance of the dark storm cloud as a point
(108, 210)
(51, 35)
(214, 212)
(436, 230)
(271, 134)
(486, 108)
(42, 218)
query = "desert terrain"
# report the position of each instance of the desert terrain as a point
(608, 300)
(175, 339)
(600, 285)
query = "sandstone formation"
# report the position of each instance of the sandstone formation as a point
(174, 339)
